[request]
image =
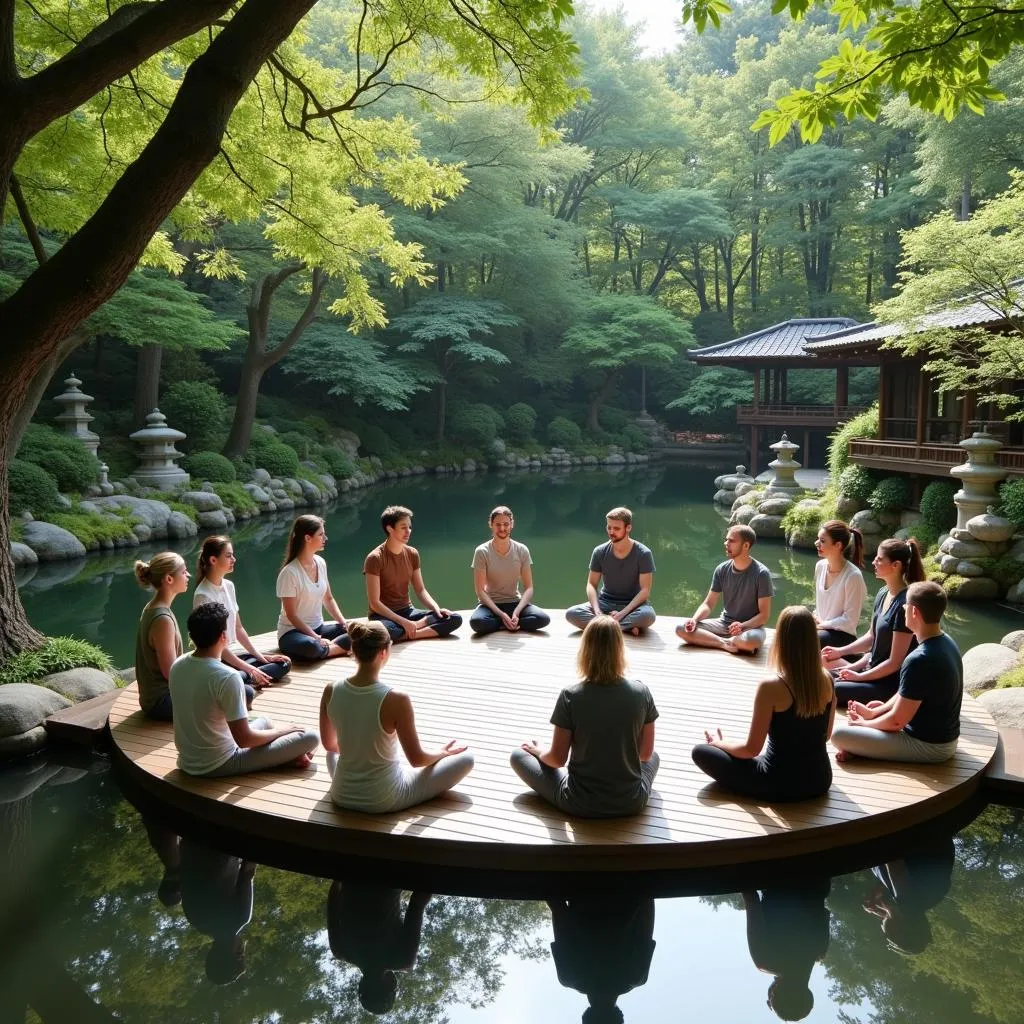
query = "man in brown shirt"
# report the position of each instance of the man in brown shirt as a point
(389, 570)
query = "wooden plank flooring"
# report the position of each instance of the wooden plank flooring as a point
(497, 691)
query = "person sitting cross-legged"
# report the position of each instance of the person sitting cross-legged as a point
(498, 568)
(921, 721)
(625, 569)
(747, 587)
(390, 569)
(212, 730)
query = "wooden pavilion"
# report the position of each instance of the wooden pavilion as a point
(769, 354)
(920, 427)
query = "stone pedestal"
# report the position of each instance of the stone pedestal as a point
(784, 468)
(157, 454)
(979, 476)
(74, 419)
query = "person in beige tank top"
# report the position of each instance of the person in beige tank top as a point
(158, 640)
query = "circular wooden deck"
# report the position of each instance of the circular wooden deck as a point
(494, 692)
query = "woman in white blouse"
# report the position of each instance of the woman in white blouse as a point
(839, 587)
(305, 591)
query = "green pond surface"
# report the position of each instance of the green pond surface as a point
(559, 516)
(107, 916)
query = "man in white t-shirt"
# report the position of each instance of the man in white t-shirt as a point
(212, 730)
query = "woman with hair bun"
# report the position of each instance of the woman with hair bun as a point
(363, 721)
(216, 560)
(304, 590)
(158, 639)
(839, 587)
(604, 728)
(875, 676)
(794, 710)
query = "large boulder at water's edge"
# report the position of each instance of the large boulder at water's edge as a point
(978, 588)
(775, 506)
(1005, 705)
(22, 554)
(51, 543)
(766, 526)
(742, 515)
(78, 684)
(1014, 640)
(180, 527)
(202, 501)
(216, 519)
(984, 664)
(866, 522)
(23, 707)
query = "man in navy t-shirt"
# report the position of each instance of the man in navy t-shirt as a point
(921, 722)
(625, 569)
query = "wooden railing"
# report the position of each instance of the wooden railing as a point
(905, 454)
(826, 414)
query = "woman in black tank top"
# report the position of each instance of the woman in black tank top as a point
(794, 711)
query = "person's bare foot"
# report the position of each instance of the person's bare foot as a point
(304, 761)
(844, 757)
(635, 631)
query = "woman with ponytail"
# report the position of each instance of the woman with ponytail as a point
(363, 721)
(216, 560)
(158, 639)
(875, 676)
(839, 587)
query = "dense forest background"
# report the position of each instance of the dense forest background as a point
(557, 265)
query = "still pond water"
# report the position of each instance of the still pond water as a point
(106, 916)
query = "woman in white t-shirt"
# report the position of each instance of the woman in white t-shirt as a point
(839, 587)
(216, 560)
(305, 591)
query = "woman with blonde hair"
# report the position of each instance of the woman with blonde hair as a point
(794, 710)
(604, 728)
(363, 721)
(216, 560)
(158, 639)
(304, 590)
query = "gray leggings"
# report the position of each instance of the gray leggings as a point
(281, 751)
(553, 785)
(890, 746)
(641, 617)
(421, 784)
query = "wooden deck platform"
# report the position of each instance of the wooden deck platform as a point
(494, 692)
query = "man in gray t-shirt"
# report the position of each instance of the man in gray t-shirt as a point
(625, 570)
(746, 586)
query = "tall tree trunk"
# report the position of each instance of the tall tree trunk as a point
(240, 435)
(598, 400)
(147, 382)
(442, 409)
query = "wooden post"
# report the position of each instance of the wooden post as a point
(842, 387)
(757, 389)
(769, 374)
(882, 404)
(970, 406)
(807, 448)
(922, 405)
(784, 387)
(754, 439)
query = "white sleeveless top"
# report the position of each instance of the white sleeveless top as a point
(369, 769)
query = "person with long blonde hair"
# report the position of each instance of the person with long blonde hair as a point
(794, 710)
(364, 721)
(304, 590)
(603, 728)
(158, 639)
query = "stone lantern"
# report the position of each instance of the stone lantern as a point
(158, 467)
(979, 476)
(74, 419)
(784, 468)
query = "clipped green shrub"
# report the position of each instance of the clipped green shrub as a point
(30, 488)
(937, 507)
(306, 445)
(91, 528)
(269, 452)
(805, 520)
(633, 438)
(199, 410)
(235, 496)
(1011, 496)
(564, 433)
(374, 441)
(60, 455)
(891, 495)
(339, 465)
(857, 483)
(924, 533)
(476, 424)
(520, 422)
(58, 654)
(613, 420)
(211, 466)
(864, 425)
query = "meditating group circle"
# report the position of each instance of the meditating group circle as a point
(901, 682)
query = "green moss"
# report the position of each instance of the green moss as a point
(804, 519)
(864, 425)
(57, 654)
(91, 528)
(184, 509)
(952, 583)
(17, 530)
(236, 497)
(1015, 677)
(1006, 571)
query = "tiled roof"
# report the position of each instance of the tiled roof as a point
(969, 315)
(783, 341)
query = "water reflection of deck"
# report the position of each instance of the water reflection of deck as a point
(497, 691)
